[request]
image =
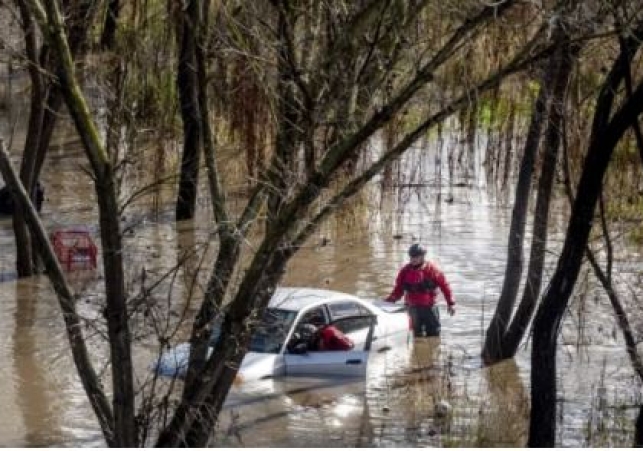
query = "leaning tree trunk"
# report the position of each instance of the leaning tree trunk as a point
(123, 395)
(503, 335)
(73, 323)
(196, 416)
(187, 86)
(605, 136)
(46, 101)
(25, 259)
(533, 283)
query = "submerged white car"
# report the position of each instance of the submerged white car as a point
(276, 348)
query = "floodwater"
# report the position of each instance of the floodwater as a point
(466, 233)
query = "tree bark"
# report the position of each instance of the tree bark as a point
(283, 174)
(195, 417)
(229, 248)
(187, 86)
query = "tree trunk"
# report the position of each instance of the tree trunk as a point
(504, 336)
(44, 109)
(187, 86)
(522, 317)
(493, 346)
(124, 425)
(116, 312)
(638, 433)
(116, 297)
(283, 174)
(605, 136)
(229, 247)
(196, 416)
(25, 258)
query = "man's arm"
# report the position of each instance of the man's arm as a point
(441, 281)
(398, 290)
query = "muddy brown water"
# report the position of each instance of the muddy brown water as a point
(43, 403)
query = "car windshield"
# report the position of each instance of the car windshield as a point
(270, 333)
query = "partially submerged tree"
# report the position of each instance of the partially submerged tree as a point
(505, 332)
(609, 125)
(44, 106)
(188, 24)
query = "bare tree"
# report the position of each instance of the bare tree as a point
(322, 117)
(608, 127)
(123, 429)
(506, 331)
(45, 103)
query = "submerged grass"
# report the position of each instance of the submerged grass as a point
(610, 421)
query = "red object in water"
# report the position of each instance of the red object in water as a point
(74, 249)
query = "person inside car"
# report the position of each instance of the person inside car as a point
(330, 338)
(325, 337)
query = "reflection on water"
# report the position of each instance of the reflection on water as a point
(359, 253)
(34, 397)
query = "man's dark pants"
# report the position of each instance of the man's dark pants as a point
(425, 319)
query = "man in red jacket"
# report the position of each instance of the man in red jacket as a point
(418, 281)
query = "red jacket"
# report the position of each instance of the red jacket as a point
(420, 285)
(333, 339)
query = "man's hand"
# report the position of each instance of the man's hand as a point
(451, 309)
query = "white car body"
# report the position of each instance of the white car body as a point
(295, 306)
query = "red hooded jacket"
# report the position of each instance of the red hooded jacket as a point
(419, 285)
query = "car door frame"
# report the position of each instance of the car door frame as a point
(351, 363)
(379, 340)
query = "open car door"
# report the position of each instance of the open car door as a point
(351, 363)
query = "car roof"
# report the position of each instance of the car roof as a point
(296, 299)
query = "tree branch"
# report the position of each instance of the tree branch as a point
(520, 62)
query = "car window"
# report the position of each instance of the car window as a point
(270, 333)
(315, 316)
(340, 310)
